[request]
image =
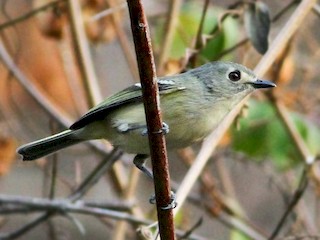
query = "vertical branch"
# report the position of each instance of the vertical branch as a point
(142, 41)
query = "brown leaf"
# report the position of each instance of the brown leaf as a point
(7, 154)
(52, 21)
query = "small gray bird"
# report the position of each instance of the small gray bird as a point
(192, 104)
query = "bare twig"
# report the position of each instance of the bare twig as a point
(65, 205)
(234, 222)
(22, 204)
(128, 195)
(53, 110)
(140, 31)
(83, 52)
(170, 27)
(82, 189)
(295, 199)
(293, 132)
(20, 231)
(48, 106)
(192, 229)
(245, 40)
(93, 177)
(110, 11)
(316, 9)
(193, 58)
(123, 39)
(30, 14)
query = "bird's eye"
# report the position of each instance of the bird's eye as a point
(235, 75)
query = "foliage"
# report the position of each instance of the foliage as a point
(188, 26)
(263, 136)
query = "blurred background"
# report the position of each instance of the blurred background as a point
(60, 58)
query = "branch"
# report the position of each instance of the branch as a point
(66, 206)
(52, 109)
(30, 14)
(172, 21)
(142, 41)
(83, 52)
(20, 231)
(295, 199)
(55, 206)
(93, 177)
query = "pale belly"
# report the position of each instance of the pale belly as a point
(184, 128)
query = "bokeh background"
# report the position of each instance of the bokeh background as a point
(59, 58)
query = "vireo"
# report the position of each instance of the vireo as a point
(192, 104)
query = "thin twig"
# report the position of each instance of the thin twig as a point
(30, 14)
(214, 31)
(82, 50)
(142, 41)
(170, 28)
(198, 45)
(66, 205)
(124, 42)
(53, 110)
(20, 231)
(93, 177)
(234, 223)
(54, 171)
(300, 144)
(22, 204)
(128, 195)
(245, 40)
(110, 11)
(82, 189)
(295, 199)
(316, 9)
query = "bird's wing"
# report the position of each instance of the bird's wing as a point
(129, 95)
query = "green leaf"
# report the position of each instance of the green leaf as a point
(187, 28)
(263, 136)
(237, 235)
(257, 25)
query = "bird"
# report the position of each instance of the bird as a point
(192, 104)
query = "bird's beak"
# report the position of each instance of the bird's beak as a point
(263, 84)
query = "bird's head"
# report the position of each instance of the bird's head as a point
(227, 79)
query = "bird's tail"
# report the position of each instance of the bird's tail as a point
(45, 146)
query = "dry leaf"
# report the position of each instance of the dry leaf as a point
(52, 21)
(7, 154)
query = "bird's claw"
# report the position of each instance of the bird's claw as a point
(165, 130)
(173, 204)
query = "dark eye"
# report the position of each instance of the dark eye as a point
(235, 75)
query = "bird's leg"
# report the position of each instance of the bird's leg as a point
(171, 205)
(139, 161)
(165, 130)
(125, 128)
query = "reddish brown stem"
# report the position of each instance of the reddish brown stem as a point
(150, 93)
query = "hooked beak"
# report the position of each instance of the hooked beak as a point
(263, 84)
